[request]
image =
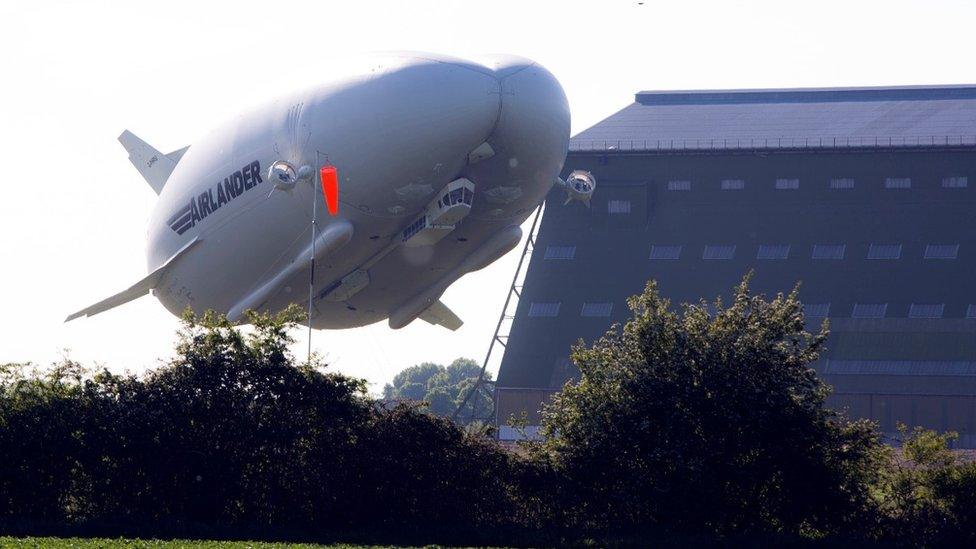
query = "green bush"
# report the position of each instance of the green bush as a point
(234, 434)
(41, 418)
(709, 423)
(927, 492)
(693, 425)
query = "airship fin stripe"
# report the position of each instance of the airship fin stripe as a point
(154, 166)
(439, 314)
(135, 291)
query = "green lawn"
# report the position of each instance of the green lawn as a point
(119, 543)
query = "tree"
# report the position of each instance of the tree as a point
(443, 388)
(708, 422)
(419, 374)
(462, 369)
(928, 492)
(439, 401)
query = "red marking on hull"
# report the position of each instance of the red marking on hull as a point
(330, 188)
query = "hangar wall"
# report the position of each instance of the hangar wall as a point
(882, 238)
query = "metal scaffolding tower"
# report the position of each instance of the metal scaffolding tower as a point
(503, 328)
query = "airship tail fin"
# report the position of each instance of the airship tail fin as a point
(154, 166)
(439, 314)
(137, 290)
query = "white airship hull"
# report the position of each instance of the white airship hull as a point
(398, 134)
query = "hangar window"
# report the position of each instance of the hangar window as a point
(560, 252)
(884, 251)
(842, 183)
(544, 308)
(679, 185)
(787, 184)
(714, 251)
(926, 310)
(618, 207)
(955, 182)
(971, 311)
(816, 310)
(596, 309)
(828, 251)
(665, 252)
(869, 310)
(773, 251)
(898, 183)
(941, 251)
(733, 184)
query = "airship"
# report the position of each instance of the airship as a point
(367, 196)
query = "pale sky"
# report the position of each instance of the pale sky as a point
(73, 210)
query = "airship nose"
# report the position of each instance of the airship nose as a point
(504, 65)
(532, 133)
(534, 108)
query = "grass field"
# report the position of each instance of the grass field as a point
(100, 543)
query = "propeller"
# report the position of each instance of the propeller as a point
(291, 147)
(579, 186)
(294, 163)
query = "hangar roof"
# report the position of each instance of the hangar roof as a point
(798, 118)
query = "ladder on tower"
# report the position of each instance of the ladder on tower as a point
(504, 327)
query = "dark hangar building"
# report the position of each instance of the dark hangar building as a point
(865, 195)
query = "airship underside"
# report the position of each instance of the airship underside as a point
(437, 162)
